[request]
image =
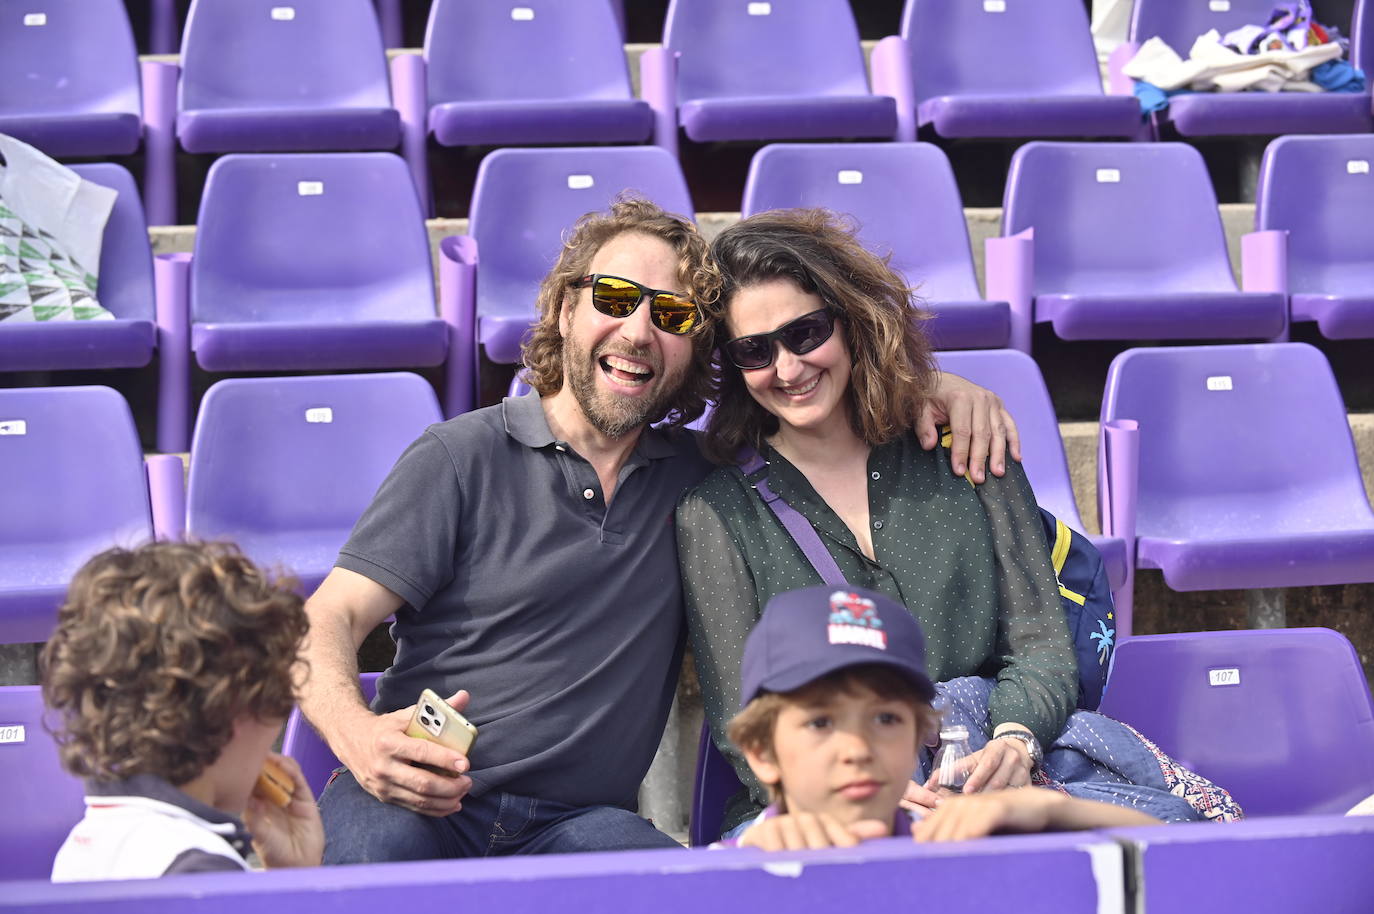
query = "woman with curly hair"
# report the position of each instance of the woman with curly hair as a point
(172, 670)
(823, 362)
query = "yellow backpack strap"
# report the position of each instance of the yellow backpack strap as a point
(1063, 539)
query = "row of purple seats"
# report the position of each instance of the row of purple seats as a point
(282, 466)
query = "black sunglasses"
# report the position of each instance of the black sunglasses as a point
(800, 336)
(616, 296)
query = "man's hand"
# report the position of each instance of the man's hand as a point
(803, 831)
(382, 759)
(1001, 763)
(983, 430)
(290, 835)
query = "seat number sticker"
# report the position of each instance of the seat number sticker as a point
(309, 188)
(760, 9)
(850, 176)
(1219, 6)
(319, 414)
(35, 18)
(522, 14)
(1219, 382)
(283, 13)
(13, 427)
(994, 6)
(580, 182)
(1226, 677)
(1357, 167)
(1108, 176)
(11, 733)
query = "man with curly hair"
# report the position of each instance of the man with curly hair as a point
(172, 670)
(527, 552)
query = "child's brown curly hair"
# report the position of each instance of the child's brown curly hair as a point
(159, 650)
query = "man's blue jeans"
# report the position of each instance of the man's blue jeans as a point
(359, 828)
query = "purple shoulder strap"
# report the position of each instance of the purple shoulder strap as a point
(802, 532)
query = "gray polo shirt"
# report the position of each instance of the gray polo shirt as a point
(562, 618)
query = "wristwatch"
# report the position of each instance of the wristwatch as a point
(1032, 745)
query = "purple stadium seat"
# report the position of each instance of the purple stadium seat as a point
(126, 290)
(284, 76)
(41, 800)
(74, 485)
(905, 202)
(713, 785)
(1015, 377)
(1281, 718)
(1318, 190)
(524, 201)
(303, 744)
(1126, 243)
(285, 466)
(69, 77)
(971, 70)
(1263, 113)
(1248, 473)
(518, 73)
(731, 70)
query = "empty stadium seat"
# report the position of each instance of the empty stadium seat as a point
(529, 71)
(303, 744)
(905, 202)
(314, 261)
(1248, 476)
(125, 290)
(1241, 113)
(999, 70)
(284, 76)
(1126, 243)
(285, 466)
(1320, 191)
(730, 70)
(1016, 378)
(74, 485)
(41, 800)
(1281, 718)
(69, 77)
(525, 199)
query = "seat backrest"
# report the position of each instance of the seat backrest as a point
(1015, 377)
(1030, 48)
(735, 48)
(74, 482)
(525, 199)
(1180, 24)
(298, 454)
(41, 800)
(1118, 218)
(126, 259)
(714, 783)
(303, 744)
(1238, 437)
(479, 50)
(283, 54)
(321, 237)
(902, 197)
(1281, 718)
(1320, 189)
(67, 56)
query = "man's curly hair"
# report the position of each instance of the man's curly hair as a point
(696, 273)
(159, 650)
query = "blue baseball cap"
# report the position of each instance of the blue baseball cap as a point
(813, 632)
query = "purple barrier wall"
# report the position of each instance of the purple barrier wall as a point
(1062, 874)
(1281, 864)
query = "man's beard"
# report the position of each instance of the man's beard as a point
(611, 415)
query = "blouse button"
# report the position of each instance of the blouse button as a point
(877, 525)
(875, 475)
(588, 494)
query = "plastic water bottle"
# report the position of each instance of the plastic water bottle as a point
(950, 760)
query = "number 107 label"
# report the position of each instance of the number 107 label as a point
(1226, 677)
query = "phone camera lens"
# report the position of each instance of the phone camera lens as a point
(430, 711)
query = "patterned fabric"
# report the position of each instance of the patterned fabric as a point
(1098, 758)
(39, 281)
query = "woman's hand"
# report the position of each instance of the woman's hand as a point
(291, 835)
(982, 429)
(965, 817)
(919, 801)
(1001, 763)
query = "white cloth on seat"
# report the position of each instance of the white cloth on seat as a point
(1211, 65)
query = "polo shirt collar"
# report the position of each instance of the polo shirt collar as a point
(526, 423)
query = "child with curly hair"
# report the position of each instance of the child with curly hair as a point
(172, 669)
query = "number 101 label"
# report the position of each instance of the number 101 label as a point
(11, 733)
(1224, 677)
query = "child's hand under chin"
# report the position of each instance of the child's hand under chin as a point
(804, 831)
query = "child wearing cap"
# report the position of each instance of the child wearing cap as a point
(836, 705)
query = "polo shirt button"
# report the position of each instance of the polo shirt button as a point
(877, 525)
(560, 447)
(875, 475)
(588, 494)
